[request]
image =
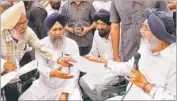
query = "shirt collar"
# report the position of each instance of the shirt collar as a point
(8, 37)
(168, 52)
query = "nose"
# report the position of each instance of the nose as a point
(57, 32)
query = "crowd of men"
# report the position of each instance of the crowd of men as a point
(107, 32)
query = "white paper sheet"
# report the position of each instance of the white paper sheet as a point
(89, 67)
(7, 78)
(14, 75)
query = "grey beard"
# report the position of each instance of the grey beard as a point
(57, 43)
(18, 35)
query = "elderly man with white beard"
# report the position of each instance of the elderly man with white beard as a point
(156, 77)
(49, 86)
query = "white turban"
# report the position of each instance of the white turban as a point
(12, 15)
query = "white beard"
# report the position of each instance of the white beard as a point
(57, 43)
(18, 35)
(151, 43)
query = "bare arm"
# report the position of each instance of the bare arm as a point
(115, 35)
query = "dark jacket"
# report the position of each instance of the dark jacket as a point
(36, 15)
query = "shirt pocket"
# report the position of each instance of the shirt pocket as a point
(84, 14)
(125, 11)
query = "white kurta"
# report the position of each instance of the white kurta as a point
(47, 88)
(102, 5)
(102, 48)
(158, 68)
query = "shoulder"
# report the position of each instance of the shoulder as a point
(29, 31)
(45, 40)
(70, 41)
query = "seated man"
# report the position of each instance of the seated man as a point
(156, 78)
(49, 86)
(101, 48)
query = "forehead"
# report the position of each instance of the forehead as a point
(22, 18)
(55, 1)
(99, 21)
(57, 25)
(145, 24)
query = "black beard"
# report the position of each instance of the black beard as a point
(103, 33)
(55, 6)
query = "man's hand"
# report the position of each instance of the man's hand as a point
(9, 66)
(63, 97)
(65, 61)
(139, 80)
(57, 73)
(86, 30)
(96, 59)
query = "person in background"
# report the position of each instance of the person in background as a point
(131, 14)
(36, 15)
(80, 23)
(103, 4)
(53, 7)
(4, 6)
(172, 7)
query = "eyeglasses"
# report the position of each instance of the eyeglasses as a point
(23, 23)
(145, 27)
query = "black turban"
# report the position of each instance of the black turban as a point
(103, 15)
(53, 18)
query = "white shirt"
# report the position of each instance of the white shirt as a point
(50, 10)
(102, 5)
(158, 68)
(101, 47)
(45, 66)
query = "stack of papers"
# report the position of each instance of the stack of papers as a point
(88, 66)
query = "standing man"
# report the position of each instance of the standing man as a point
(131, 15)
(80, 23)
(36, 15)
